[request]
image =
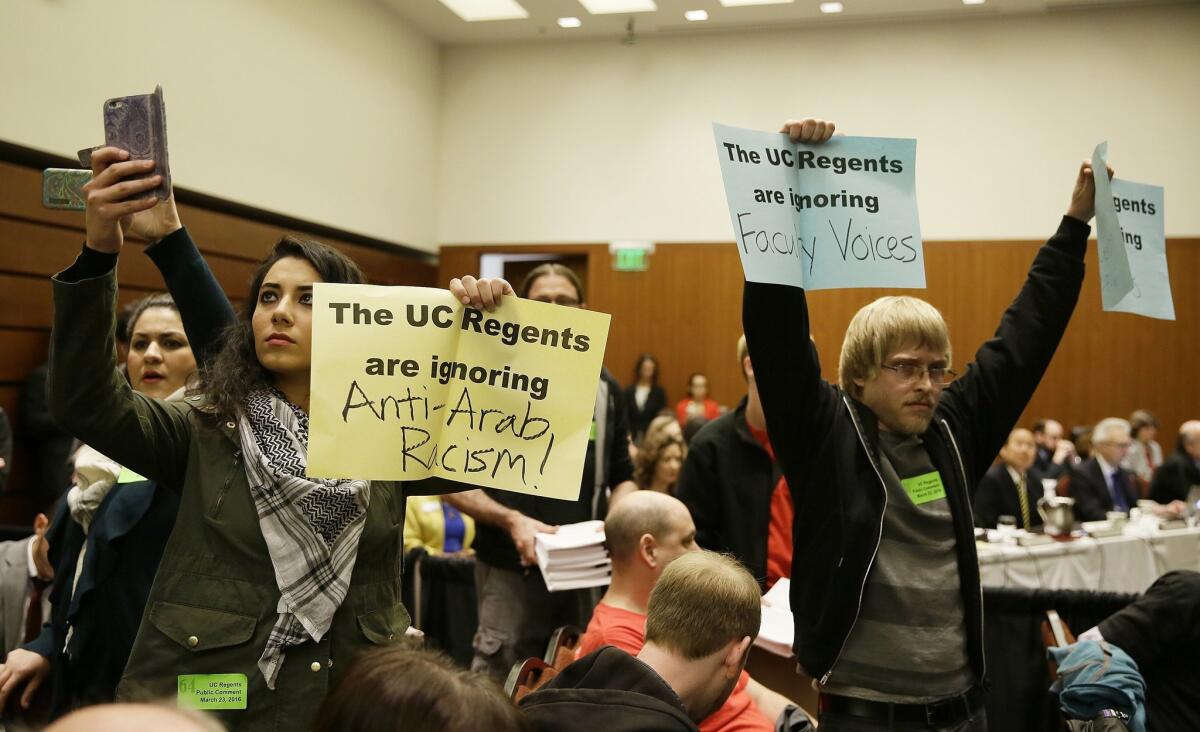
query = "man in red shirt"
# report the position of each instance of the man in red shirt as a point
(645, 532)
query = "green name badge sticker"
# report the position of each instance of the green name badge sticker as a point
(924, 488)
(211, 691)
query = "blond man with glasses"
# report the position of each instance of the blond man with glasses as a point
(885, 581)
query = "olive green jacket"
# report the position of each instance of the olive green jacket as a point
(213, 602)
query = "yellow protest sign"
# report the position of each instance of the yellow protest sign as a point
(408, 383)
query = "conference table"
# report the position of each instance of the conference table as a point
(1129, 562)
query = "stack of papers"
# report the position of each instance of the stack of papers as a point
(778, 630)
(574, 557)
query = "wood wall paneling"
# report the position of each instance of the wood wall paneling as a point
(686, 309)
(36, 242)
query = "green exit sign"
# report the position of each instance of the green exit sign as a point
(631, 260)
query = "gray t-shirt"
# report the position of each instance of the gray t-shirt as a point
(910, 642)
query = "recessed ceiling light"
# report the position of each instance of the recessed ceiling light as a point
(696, 15)
(831, 7)
(974, 2)
(604, 7)
(569, 22)
(736, 3)
(473, 10)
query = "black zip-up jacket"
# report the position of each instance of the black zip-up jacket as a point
(828, 443)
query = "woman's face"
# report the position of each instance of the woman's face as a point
(160, 359)
(670, 460)
(699, 387)
(646, 370)
(282, 320)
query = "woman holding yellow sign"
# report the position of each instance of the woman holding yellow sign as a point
(271, 581)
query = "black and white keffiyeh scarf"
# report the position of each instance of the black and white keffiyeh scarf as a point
(311, 526)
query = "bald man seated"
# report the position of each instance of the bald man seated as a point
(701, 618)
(1176, 477)
(123, 717)
(645, 533)
(1012, 486)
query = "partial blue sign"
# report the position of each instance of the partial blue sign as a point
(1116, 280)
(1139, 209)
(841, 214)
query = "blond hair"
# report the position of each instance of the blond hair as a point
(702, 602)
(884, 327)
(743, 351)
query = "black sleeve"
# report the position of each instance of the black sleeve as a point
(698, 490)
(988, 399)
(6, 448)
(1088, 505)
(1159, 624)
(620, 465)
(88, 265)
(987, 502)
(203, 307)
(798, 404)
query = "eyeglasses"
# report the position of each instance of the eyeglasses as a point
(562, 300)
(910, 372)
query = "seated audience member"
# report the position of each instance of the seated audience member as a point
(692, 428)
(1145, 455)
(124, 717)
(436, 526)
(697, 403)
(1181, 472)
(701, 617)
(404, 688)
(25, 575)
(645, 533)
(662, 425)
(1012, 486)
(1081, 437)
(1099, 484)
(108, 536)
(735, 490)
(658, 462)
(644, 398)
(1054, 454)
(1161, 632)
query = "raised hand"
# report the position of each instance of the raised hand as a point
(523, 531)
(810, 130)
(113, 200)
(483, 294)
(1083, 198)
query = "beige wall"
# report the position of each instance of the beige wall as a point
(596, 141)
(322, 110)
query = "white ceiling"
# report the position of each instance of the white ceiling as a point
(435, 20)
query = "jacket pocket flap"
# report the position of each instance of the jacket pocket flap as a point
(199, 628)
(384, 625)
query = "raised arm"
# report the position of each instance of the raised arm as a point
(797, 403)
(88, 395)
(988, 399)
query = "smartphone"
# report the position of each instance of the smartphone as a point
(138, 125)
(63, 188)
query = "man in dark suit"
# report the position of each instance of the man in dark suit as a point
(1012, 486)
(1099, 484)
(1054, 454)
(1175, 478)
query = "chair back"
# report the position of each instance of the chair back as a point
(527, 677)
(1055, 634)
(564, 642)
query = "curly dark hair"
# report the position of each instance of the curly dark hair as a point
(234, 370)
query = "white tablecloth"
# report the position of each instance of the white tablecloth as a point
(1128, 563)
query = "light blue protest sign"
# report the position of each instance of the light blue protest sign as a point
(1116, 281)
(1139, 209)
(841, 214)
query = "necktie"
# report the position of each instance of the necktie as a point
(1023, 497)
(1120, 496)
(33, 614)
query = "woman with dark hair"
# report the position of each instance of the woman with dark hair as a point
(401, 688)
(268, 575)
(108, 535)
(697, 403)
(644, 398)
